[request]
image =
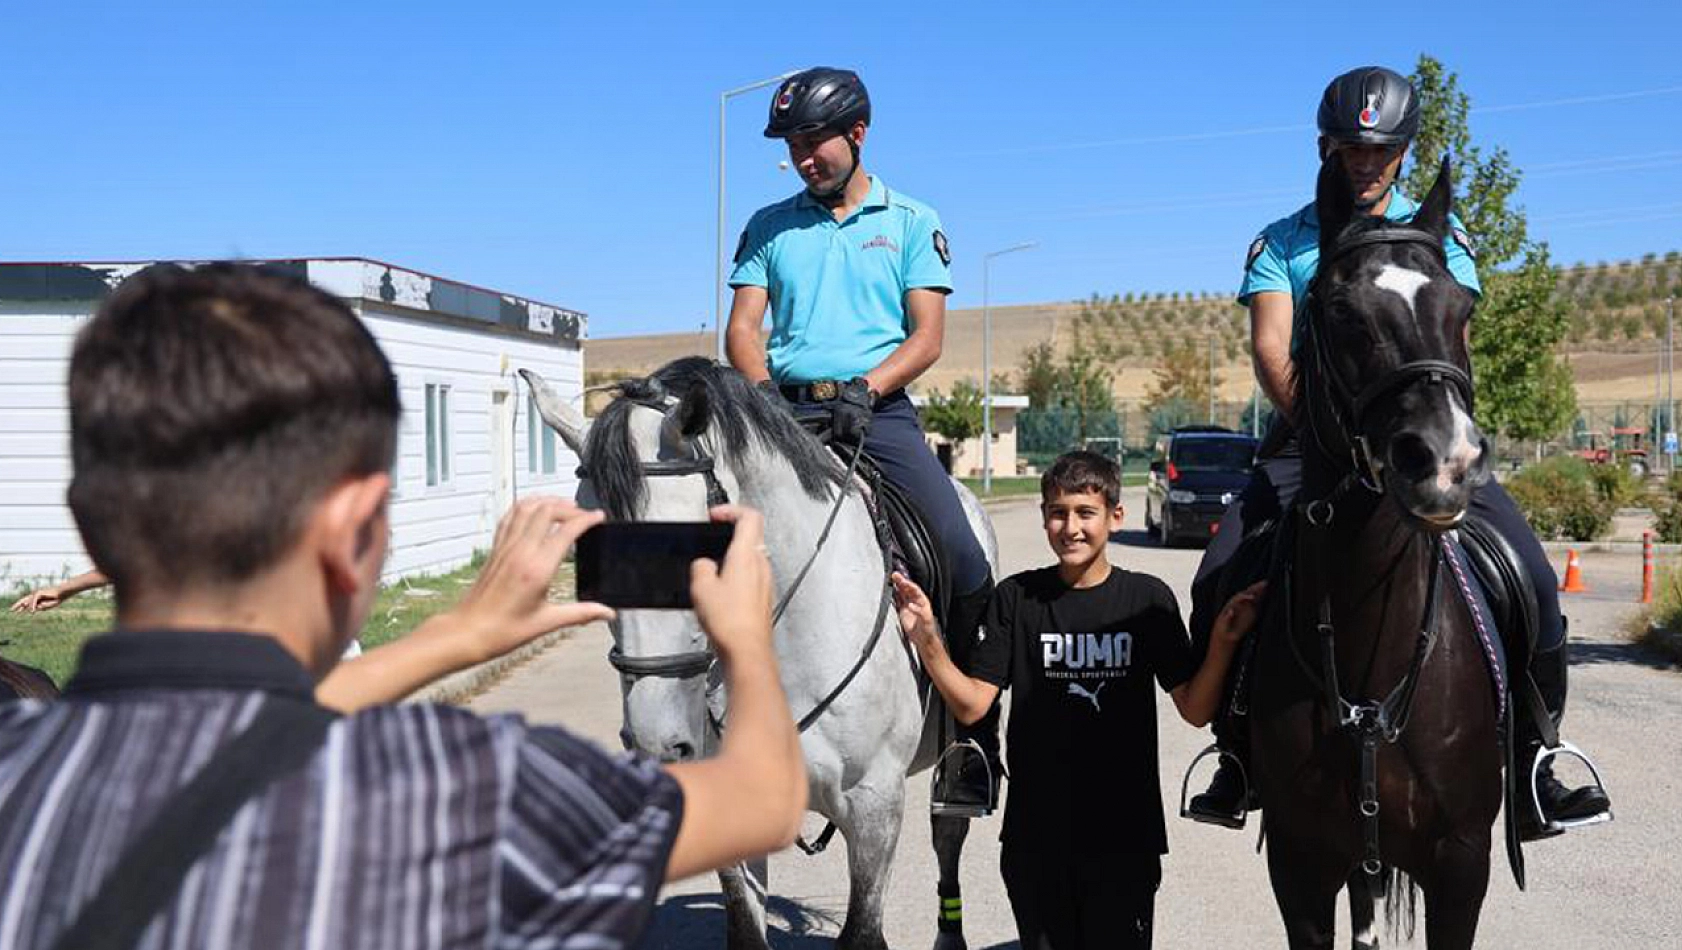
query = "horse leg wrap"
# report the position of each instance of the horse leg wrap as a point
(951, 914)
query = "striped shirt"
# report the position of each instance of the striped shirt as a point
(414, 826)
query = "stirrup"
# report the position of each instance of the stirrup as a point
(1555, 826)
(939, 805)
(1225, 821)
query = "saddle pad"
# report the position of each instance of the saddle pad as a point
(1471, 591)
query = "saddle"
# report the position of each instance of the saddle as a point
(1501, 591)
(901, 528)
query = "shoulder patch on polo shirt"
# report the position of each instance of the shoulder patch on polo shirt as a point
(741, 245)
(1256, 247)
(1465, 241)
(941, 248)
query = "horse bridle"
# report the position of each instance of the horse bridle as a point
(692, 663)
(1351, 431)
(1370, 723)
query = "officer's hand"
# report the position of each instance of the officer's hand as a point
(852, 411)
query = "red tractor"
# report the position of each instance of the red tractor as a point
(1627, 446)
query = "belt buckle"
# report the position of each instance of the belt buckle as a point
(825, 389)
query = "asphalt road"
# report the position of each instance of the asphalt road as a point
(1610, 886)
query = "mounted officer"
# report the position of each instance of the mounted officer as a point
(1369, 116)
(855, 276)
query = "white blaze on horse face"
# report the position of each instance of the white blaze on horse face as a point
(1462, 452)
(1401, 281)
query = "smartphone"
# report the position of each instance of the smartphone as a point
(642, 565)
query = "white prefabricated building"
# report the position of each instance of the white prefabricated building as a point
(469, 442)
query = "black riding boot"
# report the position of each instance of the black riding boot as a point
(1229, 795)
(967, 778)
(1560, 803)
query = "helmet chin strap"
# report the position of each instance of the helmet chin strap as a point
(832, 198)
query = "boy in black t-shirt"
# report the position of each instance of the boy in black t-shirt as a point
(1078, 644)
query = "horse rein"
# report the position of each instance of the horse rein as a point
(694, 663)
(1383, 721)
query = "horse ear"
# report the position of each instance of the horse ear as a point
(1334, 201)
(557, 414)
(694, 411)
(1432, 216)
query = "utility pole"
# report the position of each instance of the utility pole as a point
(1670, 381)
(719, 263)
(987, 364)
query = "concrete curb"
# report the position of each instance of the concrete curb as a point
(463, 685)
(1606, 547)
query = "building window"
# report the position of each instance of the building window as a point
(540, 441)
(437, 434)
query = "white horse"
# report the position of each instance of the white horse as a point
(693, 430)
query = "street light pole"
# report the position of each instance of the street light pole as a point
(987, 365)
(718, 260)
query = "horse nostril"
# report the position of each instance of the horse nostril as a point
(1412, 456)
(680, 752)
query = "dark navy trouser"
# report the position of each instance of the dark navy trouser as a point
(1274, 486)
(895, 442)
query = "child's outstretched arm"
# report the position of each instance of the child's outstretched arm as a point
(968, 698)
(1199, 698)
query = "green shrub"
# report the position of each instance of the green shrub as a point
(1666, 502)
(1560, 498)
(1615, 484)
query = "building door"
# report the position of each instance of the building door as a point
(502, 454)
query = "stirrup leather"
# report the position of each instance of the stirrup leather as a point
(1225, 821)
(1551, 825)
(954, 756)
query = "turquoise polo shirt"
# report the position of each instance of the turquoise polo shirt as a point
(1285, 256)
(837, 288)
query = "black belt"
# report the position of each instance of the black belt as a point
(823, 390)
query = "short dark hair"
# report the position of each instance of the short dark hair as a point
(1082, 471)
(209, 407)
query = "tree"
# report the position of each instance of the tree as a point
(1524, 392)
(1036, 376)
(1182, 375)
(957, 417)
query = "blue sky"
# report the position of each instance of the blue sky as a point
(567, 150)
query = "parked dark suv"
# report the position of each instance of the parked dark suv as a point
(1200, 471)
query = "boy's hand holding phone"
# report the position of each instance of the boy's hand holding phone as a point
(733, 598)
(508, 606)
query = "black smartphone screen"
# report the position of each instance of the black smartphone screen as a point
(645, 564)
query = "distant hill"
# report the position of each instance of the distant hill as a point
(1619, 320)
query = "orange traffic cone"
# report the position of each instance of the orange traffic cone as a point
(1573, 575)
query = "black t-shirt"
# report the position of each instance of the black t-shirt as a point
(1082, 737)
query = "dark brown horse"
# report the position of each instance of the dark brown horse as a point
(1374, 721)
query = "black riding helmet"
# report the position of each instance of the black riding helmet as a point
(1372, 106)
(817, 99)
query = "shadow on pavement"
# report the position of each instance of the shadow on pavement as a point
(698, 920)
(1591, 654)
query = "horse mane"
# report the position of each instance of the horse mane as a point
(738, 414)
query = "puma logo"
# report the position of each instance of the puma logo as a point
(1075, 689)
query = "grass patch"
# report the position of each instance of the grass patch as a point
(1030, 484)
(1659, 627)
(52, 640)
